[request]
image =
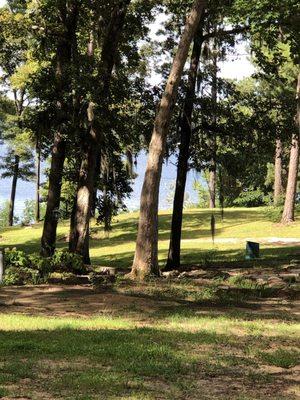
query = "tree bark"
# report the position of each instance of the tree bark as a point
(13, 191)
(290, 197)
(213, 142)
(69, 17)
(146, 253)
(173, 261)
(19, 107)
(212, 183)
(37, 182)
(79, 236)
(278, 186)
(55, 178)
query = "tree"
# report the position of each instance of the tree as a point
(146, 253)
(80, 230)
(13, 55)
(278, 184)
(66, 16)
(173, 261)
(288, 214)
(16, 165)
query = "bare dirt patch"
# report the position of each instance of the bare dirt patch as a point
(85, 301)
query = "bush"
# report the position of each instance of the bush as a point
(43, 265)
(22, 269)
(16, 258)
(251, 198)
(274, 214)
(21, 276)
(63, 261)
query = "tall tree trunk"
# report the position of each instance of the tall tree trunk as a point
(53, 201)
(173, 261)
(13, 191)
(146, 253)
(79, 237)
(289, 205)
(65, 47)
(212, 183)
(278, 186)
(37, 182)
(19, 107)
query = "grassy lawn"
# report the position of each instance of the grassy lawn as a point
(166, 351)
(157, 340)
(197, 246)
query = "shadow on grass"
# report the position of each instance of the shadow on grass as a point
(207, 257)
(134, 363)
(196, 225)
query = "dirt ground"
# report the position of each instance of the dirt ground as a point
(84, 301)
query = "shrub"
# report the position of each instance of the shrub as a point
(251, 198)
(22, 269)
(43, 265)
(63, 261)
(16, 258)
(274, 214)
(21, 276)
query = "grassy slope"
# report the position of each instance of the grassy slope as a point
(117, 250)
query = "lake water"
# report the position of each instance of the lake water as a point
(26, 190)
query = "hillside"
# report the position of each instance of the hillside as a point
(239, 224)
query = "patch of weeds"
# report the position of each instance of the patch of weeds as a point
(249, 288)
(205, 294)
(261, 378)
(3, 392)
(207, 258)
(239, 281)
(12, 371)
(281, 358)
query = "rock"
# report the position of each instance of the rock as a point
(295, 287)
(295, 271)
(223, 274)
(224, 287)
(261, 281)
(107, 271)
(276, 284)
(67, 278)
(105, 278)
(170, 274)
(290, 278)
(256, 277)
(197, 273)
(295, 262)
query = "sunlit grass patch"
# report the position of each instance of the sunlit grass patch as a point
(16, 322)
(197, 246)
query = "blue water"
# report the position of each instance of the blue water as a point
(26, 190)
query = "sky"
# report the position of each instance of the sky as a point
(237, 67)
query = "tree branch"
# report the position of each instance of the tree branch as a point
(224, 32)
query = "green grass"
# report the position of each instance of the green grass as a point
(197, 247)
(172, 340)
(172, 356)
